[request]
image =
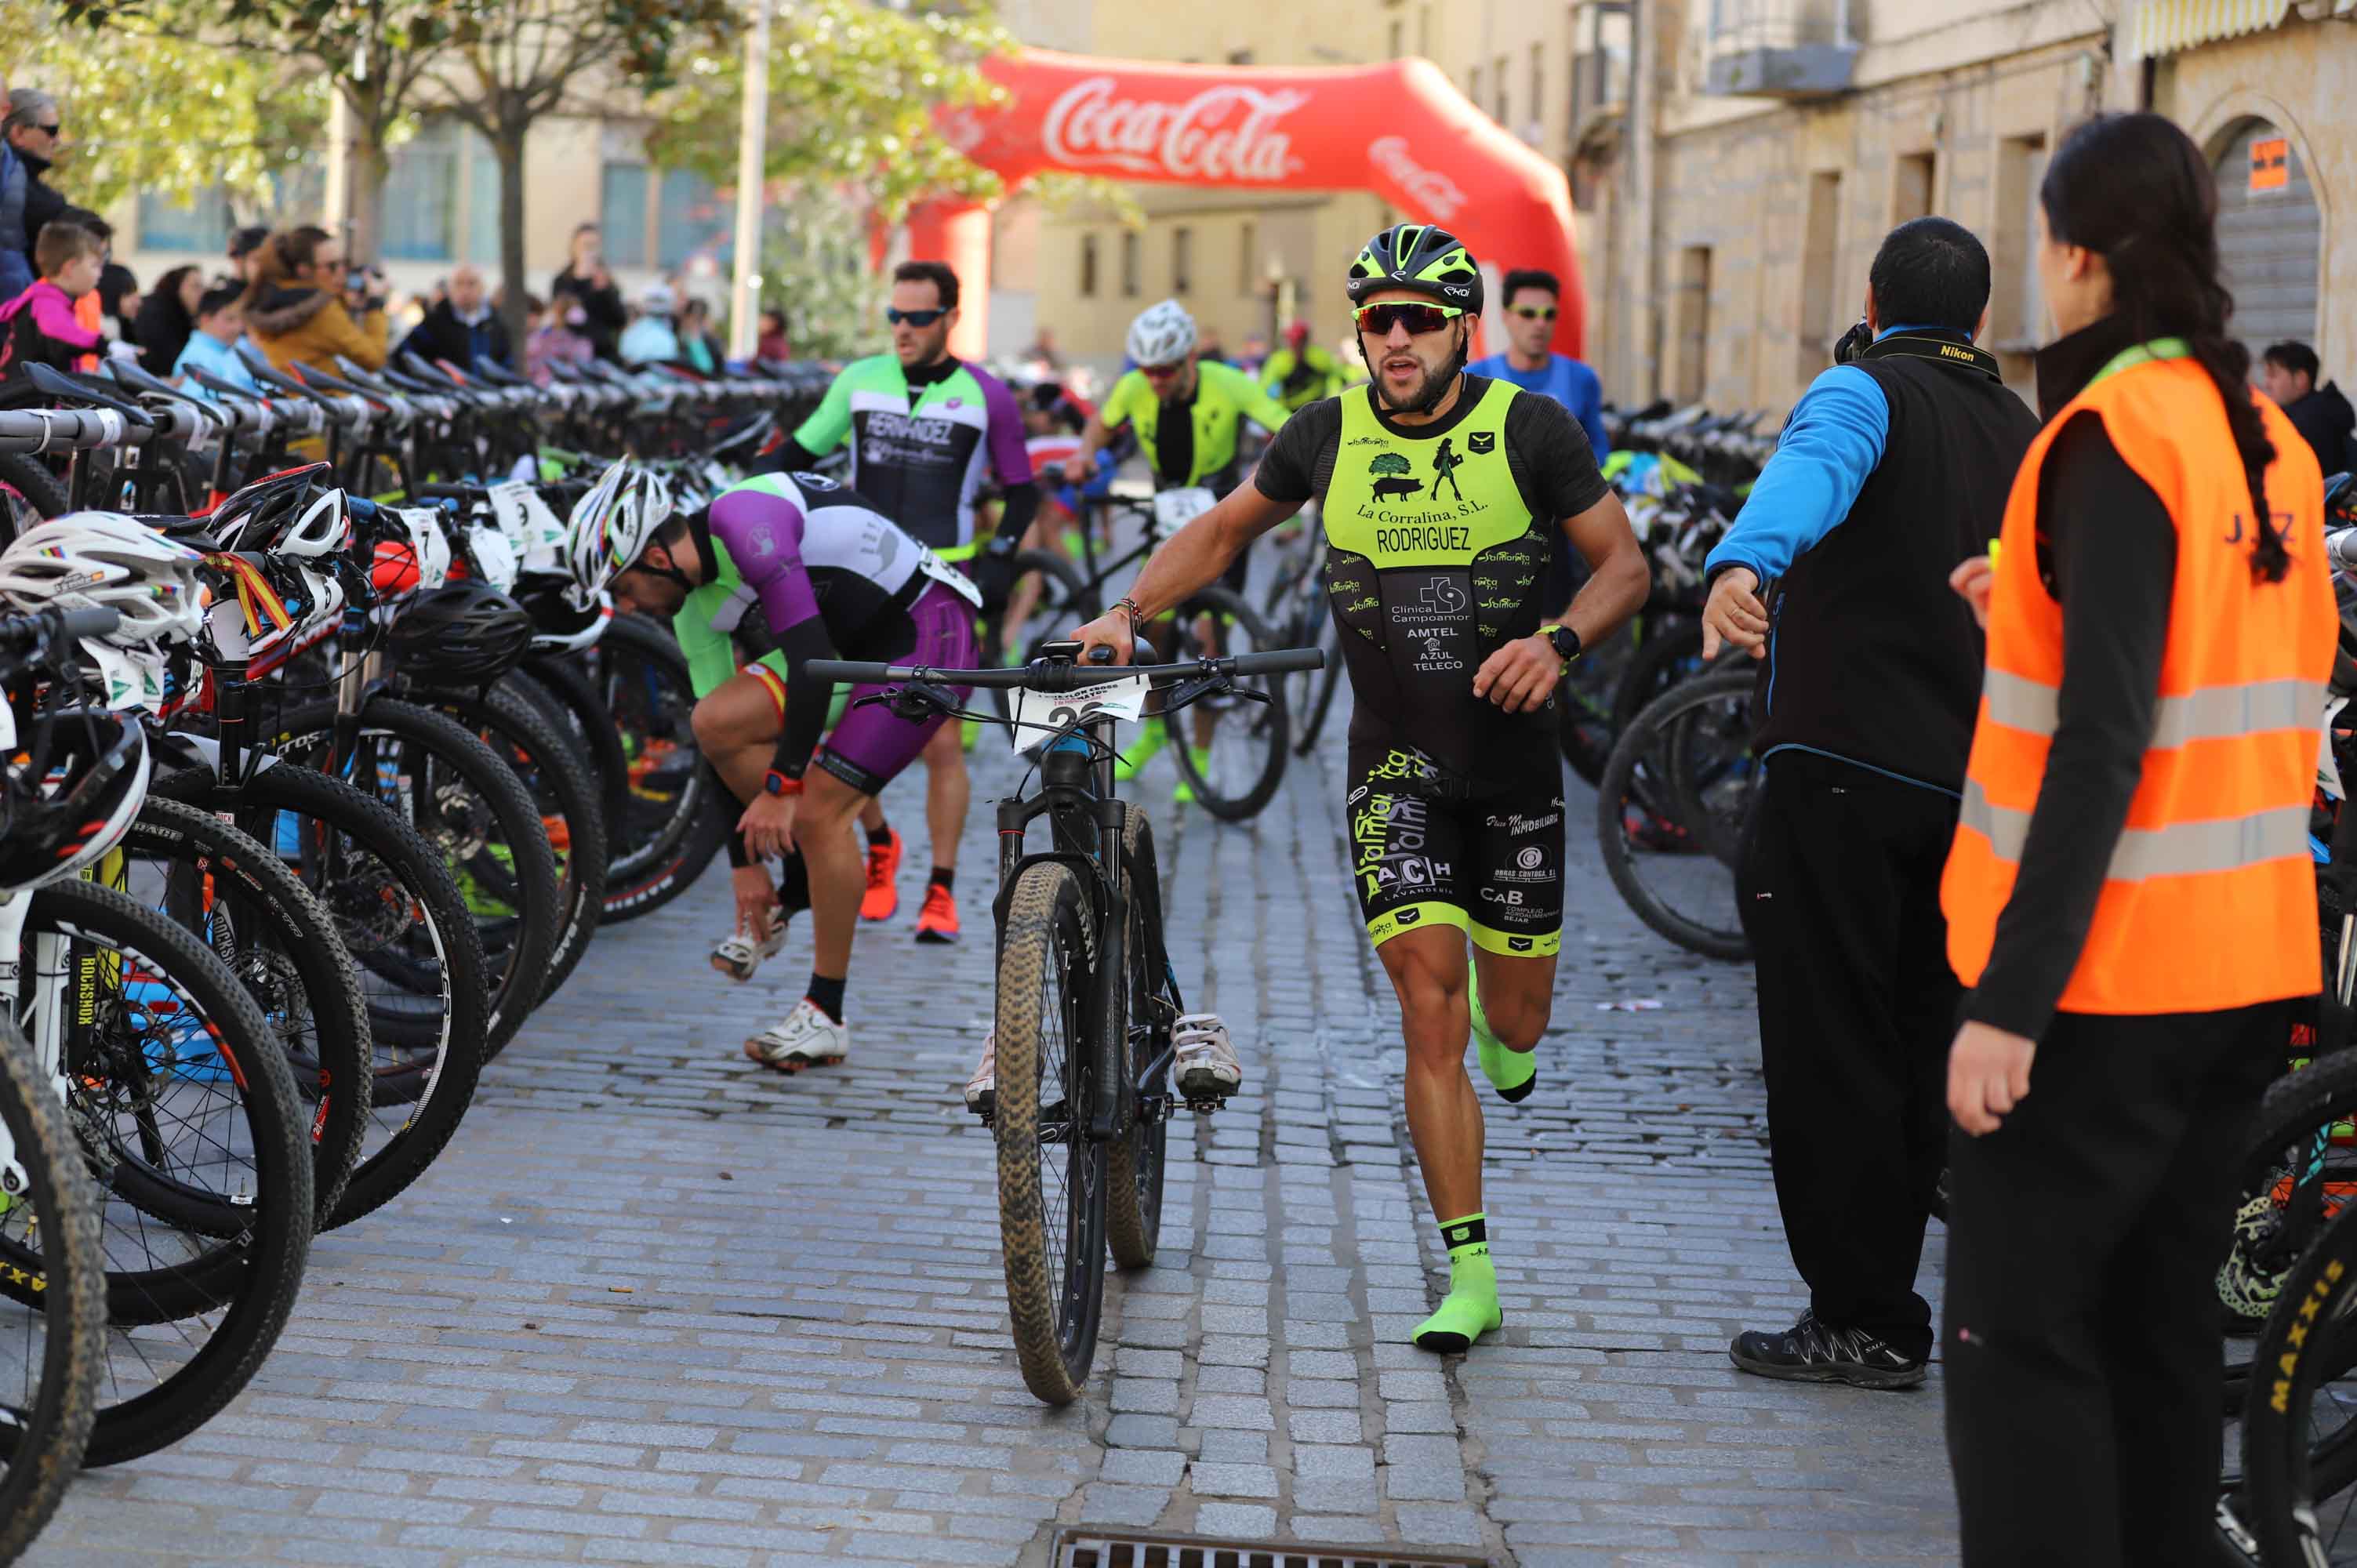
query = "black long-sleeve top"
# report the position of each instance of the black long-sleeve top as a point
(2109, 557)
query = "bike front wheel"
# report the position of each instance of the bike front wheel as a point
(1135, 1162)
(1052, 1173)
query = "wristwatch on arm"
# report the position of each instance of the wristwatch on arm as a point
(1563, 640)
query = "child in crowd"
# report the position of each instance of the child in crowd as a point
(38, 326)
(211, 348)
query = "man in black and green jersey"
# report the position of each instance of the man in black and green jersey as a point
(1187, 414)
(924, 429)
(1456, 789)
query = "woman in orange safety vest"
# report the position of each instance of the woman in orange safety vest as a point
(2130, 899)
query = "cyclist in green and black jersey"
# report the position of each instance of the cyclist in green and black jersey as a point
(1438, 490)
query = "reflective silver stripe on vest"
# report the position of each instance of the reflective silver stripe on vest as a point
(2187, 849)
(2213, 712)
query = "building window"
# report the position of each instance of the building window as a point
(1601, 45)
(1501, 85)
(1917, 183)
(691, 219)
(1129, 264)
(1240, 57)
(1088, 266)
(1247, 263)
(1182, 261)
(1821, 307)
(1691, 361)
(622, 214)
(2016, 305)
(482, 199)
(200, 225)
(420, 196)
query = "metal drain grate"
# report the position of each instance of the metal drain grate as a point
(1091, 1546)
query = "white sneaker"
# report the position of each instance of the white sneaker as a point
(807, 1038)
(1205, 1061)
(739, 954)
(982, 1088)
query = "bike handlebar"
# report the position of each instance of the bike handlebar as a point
(1060, 676)
(92, 620)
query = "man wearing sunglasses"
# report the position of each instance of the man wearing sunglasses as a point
(33, 133)
(1533, 300)
(1189, 412)
(1455, 795)
(924, 429)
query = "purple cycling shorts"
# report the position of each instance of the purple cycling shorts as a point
(872, 745)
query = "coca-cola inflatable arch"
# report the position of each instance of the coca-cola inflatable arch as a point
(1400, 129)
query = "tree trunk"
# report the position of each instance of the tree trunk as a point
(509, 145)
(368, 168)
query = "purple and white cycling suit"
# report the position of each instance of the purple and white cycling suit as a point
(826, 575)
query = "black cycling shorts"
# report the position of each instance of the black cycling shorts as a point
(1490, 867)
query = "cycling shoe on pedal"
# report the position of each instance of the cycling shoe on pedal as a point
(1203, 1061)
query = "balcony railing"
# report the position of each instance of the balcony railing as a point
(1778, 48)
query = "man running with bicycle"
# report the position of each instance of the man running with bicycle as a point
(1456, 790)
(774, 573)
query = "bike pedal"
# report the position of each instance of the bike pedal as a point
(1204, 1104)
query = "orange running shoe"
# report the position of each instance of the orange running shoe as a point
(882, 900)
(937, 921)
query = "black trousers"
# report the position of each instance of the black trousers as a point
(1840, 893)
(2082, 1344)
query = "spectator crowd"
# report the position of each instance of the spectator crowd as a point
(297, 294)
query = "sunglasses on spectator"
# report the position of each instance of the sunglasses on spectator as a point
(1535, 312)
(1161, 372)
(1418, 319)
(52, 128)
(913, 317)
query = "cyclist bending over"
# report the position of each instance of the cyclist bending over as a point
(1188, 416)
(1456, 787)
(791, 568)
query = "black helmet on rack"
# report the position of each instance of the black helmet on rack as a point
(68, 793)
(466, 633)
(298, 511)
(559, 626)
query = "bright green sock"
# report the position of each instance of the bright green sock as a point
(1142, 750)
(1185, 793)
(1470, 1308)
(1514, 1074)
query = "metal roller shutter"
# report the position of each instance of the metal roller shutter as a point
(2268, 233)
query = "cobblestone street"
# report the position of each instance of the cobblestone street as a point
(658, 1307)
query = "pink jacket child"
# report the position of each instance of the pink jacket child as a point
(38, 326)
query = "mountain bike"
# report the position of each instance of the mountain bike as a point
(1671, 809)
(1087, 1001)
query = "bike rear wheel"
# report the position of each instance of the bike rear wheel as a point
(680, 815)
(1052, 1173)
(53, 1342)
(1669, 809)
(2299, 1425)
(189, 1112)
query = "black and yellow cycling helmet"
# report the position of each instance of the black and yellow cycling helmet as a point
(1420, 256)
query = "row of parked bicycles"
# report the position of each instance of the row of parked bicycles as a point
(320, 770)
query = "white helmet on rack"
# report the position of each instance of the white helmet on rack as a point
(1163, 334)
(103, 559)
(610, 527)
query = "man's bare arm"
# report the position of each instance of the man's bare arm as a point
(1620, 579)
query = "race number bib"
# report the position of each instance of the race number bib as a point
(1174, 510)
(1038, 715)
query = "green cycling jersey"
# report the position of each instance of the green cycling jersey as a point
(1192, 443)
(1298, 380)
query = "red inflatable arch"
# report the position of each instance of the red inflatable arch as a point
(1401, 130)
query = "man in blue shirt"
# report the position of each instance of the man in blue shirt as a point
(1892, 469)
(1532, 297)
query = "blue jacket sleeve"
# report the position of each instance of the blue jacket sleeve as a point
(1830, 446)
(1588, 405)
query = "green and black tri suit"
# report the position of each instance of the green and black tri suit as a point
(1437, 538)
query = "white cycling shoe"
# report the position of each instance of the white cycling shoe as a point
(1204, 1061)
(807, 1038)
(982, 1088)
(739, 954)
